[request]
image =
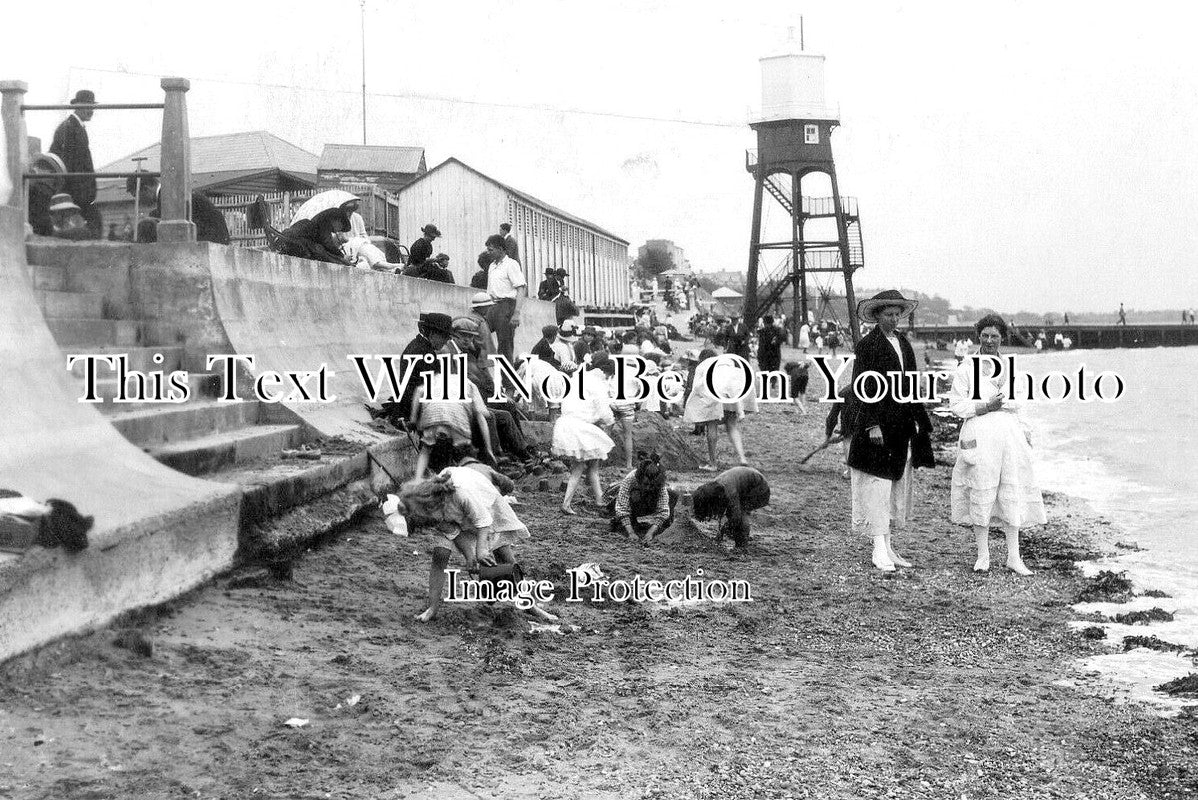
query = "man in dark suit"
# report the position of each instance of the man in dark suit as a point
(882, 429)
(551, 287)
(208, 219)
(543, 349)
(433, 331)
(510, 245)
(72, 146)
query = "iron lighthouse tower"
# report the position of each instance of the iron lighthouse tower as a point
(823, 241)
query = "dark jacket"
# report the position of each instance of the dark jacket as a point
(899, 421)
(479, 280)
(71, 145)
(208, 219)
(769, 348)
(433, 271)
(311, 239)
(419, 346)
(544, 351)
(746, 490)
(420, 251)
(549, 289)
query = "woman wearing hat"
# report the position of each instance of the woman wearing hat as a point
(993, 480)
(577, 435)
(66, 220)
(880, 449)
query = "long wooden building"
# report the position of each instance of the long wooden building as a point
(468, 206)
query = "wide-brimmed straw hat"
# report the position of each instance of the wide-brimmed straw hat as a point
(867, 309)
(481, 299)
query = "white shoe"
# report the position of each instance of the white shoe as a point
(1019, 568)
(982, 565)
(881, 558)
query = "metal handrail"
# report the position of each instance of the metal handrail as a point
(100, 106)
(142, 174)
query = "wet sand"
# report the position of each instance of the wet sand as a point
(836, 682)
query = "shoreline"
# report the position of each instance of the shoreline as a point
(837, 681)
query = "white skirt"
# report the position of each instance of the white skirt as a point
(877, 502)
(580, 440)
(702, 406)
(994, 484)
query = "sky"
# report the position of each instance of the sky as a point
(1018, 155)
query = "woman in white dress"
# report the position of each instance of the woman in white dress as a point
(728, 378)
(577, 435)
(463, 511)
(994, 484)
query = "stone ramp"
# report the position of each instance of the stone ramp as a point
(53, 446)
(293, 314)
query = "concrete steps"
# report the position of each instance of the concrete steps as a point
(206, 454)
(72, 305)
(160, 425)
(142, 359)
(80, 332)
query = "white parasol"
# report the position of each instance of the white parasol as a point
(323, 201)
(724, 293)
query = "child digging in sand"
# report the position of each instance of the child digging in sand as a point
(462, 511)
(642, 493)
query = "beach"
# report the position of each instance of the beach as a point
(837, 681)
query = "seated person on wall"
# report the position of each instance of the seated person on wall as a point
(208, 219)
(479, 279)
(66, 220)
(729, 498)
(641, 493)
(437, 269)
(317, 238)
(42, 191)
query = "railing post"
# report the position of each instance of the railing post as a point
(176, 165)
(16, 144)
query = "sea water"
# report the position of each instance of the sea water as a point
(1136, 461)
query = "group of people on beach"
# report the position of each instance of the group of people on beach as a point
(993, 483)
(456, 445)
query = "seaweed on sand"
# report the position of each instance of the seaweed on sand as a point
(1113, 587)
(1144, 617)
(1152, 643)
(1181, 687)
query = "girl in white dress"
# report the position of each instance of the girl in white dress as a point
(705, 408)
(463, 511)
(577, 435)
(994, 484)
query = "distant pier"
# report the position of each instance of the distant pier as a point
(1096, 337)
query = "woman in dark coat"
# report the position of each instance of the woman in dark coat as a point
(880, 464)
(315, 238)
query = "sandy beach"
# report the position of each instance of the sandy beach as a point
(837, 681)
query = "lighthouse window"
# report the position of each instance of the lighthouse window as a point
(810, 134)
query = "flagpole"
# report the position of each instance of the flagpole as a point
(363, 5)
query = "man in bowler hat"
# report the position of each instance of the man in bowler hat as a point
(72, 146)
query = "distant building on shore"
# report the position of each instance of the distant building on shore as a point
(249, 163)
(468, 206)
(389, 168)
(667, 247)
